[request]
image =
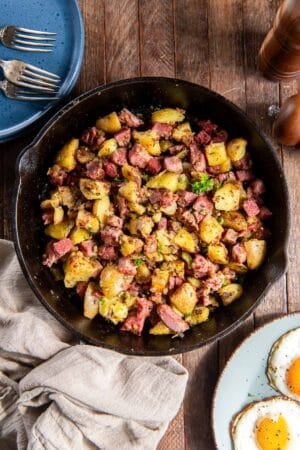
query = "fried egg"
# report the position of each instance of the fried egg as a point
(283, 369)
(270, 424)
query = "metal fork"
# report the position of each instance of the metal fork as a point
(27, 75)
(26, 39)
(16, 93)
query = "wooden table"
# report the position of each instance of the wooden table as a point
(213, 43)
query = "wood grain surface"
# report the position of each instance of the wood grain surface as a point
(213, 43)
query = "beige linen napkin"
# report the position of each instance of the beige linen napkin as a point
(55, 394)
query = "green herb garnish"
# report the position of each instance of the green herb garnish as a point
(117, 180)
(205, 184)
(159, 247)
(138, 262)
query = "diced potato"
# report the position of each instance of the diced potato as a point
(216, 153)
(113, 310)
(145, 225)
(131, 173)
(148, 139)
(230, 292)
(78, 235)
(137, 208)
(236, 149)
(90, 301)
(129, 190)
(101, 208)
(168, 115)
(66, 156)
(112, 282)
(234, 220)
(87, 220)
(185, 240)
(184, 298)
(199, 315)
(187, 258)
(210, 230)
(169, 210)
(109, 123)
(67, 196)
(107, 147)
(93, 189)
(84, 155)
(160, 329)
(79, 268)
(217, 253)
(58, 215)
(164, 241)
(143, 274)
(159, 280)
(166, 180)
(237, 267)
(165, 145)
(53, 202)
(195, 282)
(226, 166)
(60, 230)
(132, 225)
(157, 216)
(183, 133)
(128, 299)
(227, 198)
(183, 182)
(256, 251)
(179, 268)
(130, 245)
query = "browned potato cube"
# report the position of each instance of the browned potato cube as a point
(184, 298)
(256, 251)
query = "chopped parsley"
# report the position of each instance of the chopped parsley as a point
(159, 247)
(117, 180)
(138, 262)
(205, 184)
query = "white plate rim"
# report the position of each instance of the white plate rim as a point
(232, 356)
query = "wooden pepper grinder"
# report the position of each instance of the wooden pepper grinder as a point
(279, 55)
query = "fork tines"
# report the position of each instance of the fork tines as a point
(34, 77)
(26, 94)
(33, 40)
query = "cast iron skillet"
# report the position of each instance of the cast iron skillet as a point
(139, 94)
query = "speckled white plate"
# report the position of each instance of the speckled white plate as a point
(243, 379)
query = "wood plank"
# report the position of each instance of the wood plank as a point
(157, 59)
(291, 161)
(122, 39)
(260, 94)
(94, 64)
(156, 38)
(191, 58)
(226, 49)
(191, 40)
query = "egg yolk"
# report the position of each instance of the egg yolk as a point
(293, 377)
(272, 434)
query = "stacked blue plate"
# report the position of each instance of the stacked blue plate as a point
(61, 17)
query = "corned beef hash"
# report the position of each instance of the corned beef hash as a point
(154, 219)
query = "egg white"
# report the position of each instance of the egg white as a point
(243, 427)
(284, 351)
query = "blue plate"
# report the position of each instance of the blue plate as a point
(60, 16)
(244, 379)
